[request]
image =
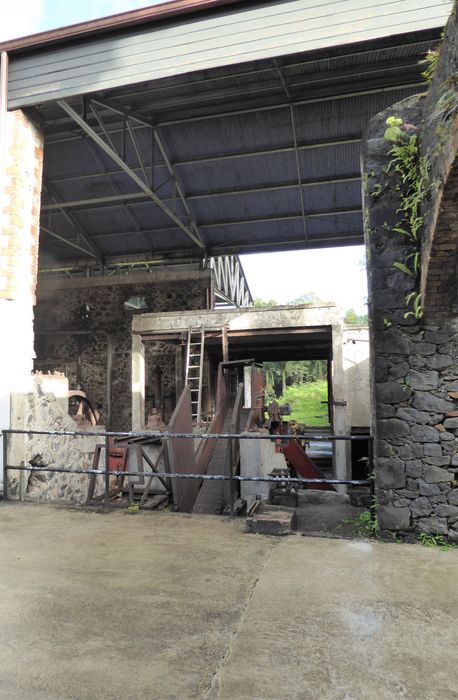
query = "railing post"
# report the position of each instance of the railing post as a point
(107, 473)
(5, 465)
(231, 474)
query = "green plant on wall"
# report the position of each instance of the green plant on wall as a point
(411, 182)
(430, 64)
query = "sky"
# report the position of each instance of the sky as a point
(333, 274)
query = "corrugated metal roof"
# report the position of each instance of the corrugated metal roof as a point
(250, 146)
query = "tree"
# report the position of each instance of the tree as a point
(260, 302)
(307, 298)
(351, 318)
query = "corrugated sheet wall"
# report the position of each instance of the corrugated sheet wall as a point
(272, 29)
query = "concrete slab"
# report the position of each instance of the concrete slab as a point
(161, 605)
(339, 620)
(97, 607)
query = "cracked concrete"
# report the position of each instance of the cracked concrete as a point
(161, 605)
(214, 690)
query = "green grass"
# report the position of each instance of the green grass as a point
(305, 401)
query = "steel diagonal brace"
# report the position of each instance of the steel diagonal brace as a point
(119, 161)
(159, 140)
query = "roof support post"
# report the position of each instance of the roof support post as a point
(119, 161)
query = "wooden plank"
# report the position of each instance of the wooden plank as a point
(227, 38)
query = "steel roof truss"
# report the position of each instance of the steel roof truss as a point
(80, 232)
(141, 196)
(47, 230)
(230, 280)
(111, 153)
(158, 139)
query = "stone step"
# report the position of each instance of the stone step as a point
(272, 520)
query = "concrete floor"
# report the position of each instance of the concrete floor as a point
(156, 605)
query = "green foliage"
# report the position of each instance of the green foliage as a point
(430, 62)
(351, 318)
(307, 298)
(280, 374)
(132, 508)
(437, 541)
(377, 191)
(362, 526)
(306, 401)
(369, 526)
(393, 132)
(412, 185)
(261, 303)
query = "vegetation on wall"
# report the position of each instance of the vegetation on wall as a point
(410, 180)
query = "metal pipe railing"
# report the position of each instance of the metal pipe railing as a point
(231, 477)
(195, 436)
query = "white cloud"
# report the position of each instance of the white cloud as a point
(20, 18)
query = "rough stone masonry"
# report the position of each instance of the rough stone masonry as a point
(414, 362)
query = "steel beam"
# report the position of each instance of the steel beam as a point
(114, 186)
(225, 156)
(230, 280)
(158, 138)
(278, 106)
(115, 199)
(119, 161)
(297, 103)
(287, 217)
(80, 232)
(67, 242)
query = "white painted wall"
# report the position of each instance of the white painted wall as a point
(356, 372)
(16, 355)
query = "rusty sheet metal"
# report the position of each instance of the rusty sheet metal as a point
(206, 447)
(182, 455)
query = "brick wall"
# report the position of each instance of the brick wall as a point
(440, 287)
(21, 208)
(60, 308)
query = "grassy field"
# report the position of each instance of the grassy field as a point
(305, 401)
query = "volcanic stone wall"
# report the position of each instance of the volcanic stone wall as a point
(414, 362)
(92, 309)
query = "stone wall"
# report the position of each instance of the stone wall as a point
(414, 362)
(83, 358)
(41, 408)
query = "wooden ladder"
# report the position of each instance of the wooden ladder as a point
(195, 370)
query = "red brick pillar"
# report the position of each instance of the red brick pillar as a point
(21, 209)
(19, 231)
